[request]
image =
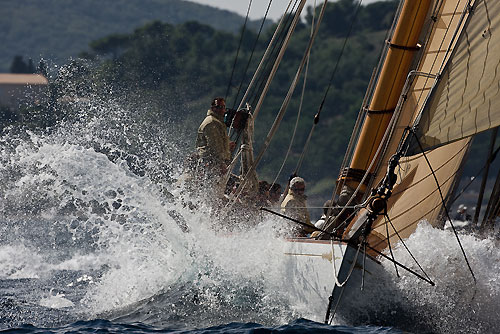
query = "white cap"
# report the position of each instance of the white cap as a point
(296, 181)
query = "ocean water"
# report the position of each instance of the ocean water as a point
(93, 239)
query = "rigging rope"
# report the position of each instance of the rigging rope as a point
(238, 50)
(276, 47)
(284, 105)
(353, 264)
(320, 108)
(300, 107)
(280, 57)
(390, 247)
(273, 129)
(251, 54)
(258, 89)
(401, 265)
(404, 244)
(264, 57)
(264, 60)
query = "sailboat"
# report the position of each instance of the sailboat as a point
(438, 85)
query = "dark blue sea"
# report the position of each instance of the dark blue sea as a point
(100, 233)
(106, 326)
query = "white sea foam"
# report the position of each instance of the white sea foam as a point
(18, 261)
(456, 303)
(56, 301)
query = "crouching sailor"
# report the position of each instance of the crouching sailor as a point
(294, 205)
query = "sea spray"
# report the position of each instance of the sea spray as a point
(456, 303)
(91, 197)
(76, 198)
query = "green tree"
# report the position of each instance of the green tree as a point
(338, 17)
(378, 15)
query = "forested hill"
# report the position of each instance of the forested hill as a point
(58, 29)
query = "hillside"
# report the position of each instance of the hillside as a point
(59, 29)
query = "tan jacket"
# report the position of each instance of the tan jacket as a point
(295, 206)
(212, 142)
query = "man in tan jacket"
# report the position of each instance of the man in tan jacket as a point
(212, 142)
(294, 205)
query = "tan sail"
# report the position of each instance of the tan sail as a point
(467, 98)
(416, 196)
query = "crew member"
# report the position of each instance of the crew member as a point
(212, 143)
(262, 199)
(462, 213)
(322, 222)
(294, 205)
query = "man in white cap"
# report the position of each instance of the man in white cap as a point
(294, 205)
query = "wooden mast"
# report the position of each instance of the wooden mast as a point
(389, 86)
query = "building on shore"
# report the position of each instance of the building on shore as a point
(18, 89)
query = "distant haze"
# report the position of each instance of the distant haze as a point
(258, 8)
